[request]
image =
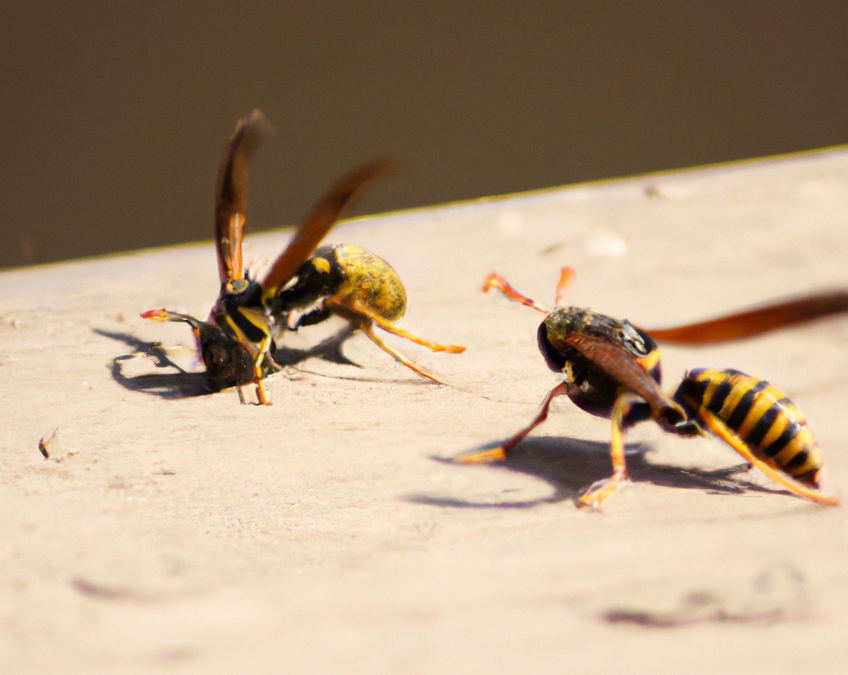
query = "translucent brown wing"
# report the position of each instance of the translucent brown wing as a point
(231, 194)
(629, 372)
(324, 215)
(756, 321)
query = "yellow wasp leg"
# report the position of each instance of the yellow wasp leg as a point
(260, 390)
(432, 346)
(499, 453)
(340, 307)
(598, 492)
(264, 346)
(721, 430)
(367, 328)
(365, 321)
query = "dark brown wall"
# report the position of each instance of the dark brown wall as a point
(114, 114)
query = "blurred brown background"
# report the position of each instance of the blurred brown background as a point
(115, 114)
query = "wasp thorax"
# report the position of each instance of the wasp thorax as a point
(317, 278)
(565, 322)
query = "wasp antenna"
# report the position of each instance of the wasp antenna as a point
(326, 213)
(165, 315)
(566, 280)
(231, 193)
(495, 280)
(155, 314)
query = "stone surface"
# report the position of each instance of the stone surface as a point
(323, 534)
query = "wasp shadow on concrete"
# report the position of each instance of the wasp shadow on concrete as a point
(571, 465)
(179, 383)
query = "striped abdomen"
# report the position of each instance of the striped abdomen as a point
(759, 414)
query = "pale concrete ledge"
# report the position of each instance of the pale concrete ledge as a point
(320, 535)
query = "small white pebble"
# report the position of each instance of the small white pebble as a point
(605, 245)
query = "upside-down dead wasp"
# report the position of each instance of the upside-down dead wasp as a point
(612, 369)
(237, 340)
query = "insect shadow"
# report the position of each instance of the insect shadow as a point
(179, 383)
(570, 464)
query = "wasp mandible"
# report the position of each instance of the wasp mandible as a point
(612, 369)
(237, 340)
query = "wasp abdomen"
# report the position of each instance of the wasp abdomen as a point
(347, 275)
(758, 413)
(369, 283)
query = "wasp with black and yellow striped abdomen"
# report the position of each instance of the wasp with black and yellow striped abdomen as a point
(237, 340)
(612, 369)
(757, 420)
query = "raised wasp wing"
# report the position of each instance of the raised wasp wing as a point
(756, 321)
(231, 194)
(324, 215)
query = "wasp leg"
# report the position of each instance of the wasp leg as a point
(260, 390)
(601, 490)
(356, 315)
(499, 453)
(495, 280)
(368, 328)
(432, 346)
(720, 429)
(365, 321)
(310, 318)
(264, 347)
